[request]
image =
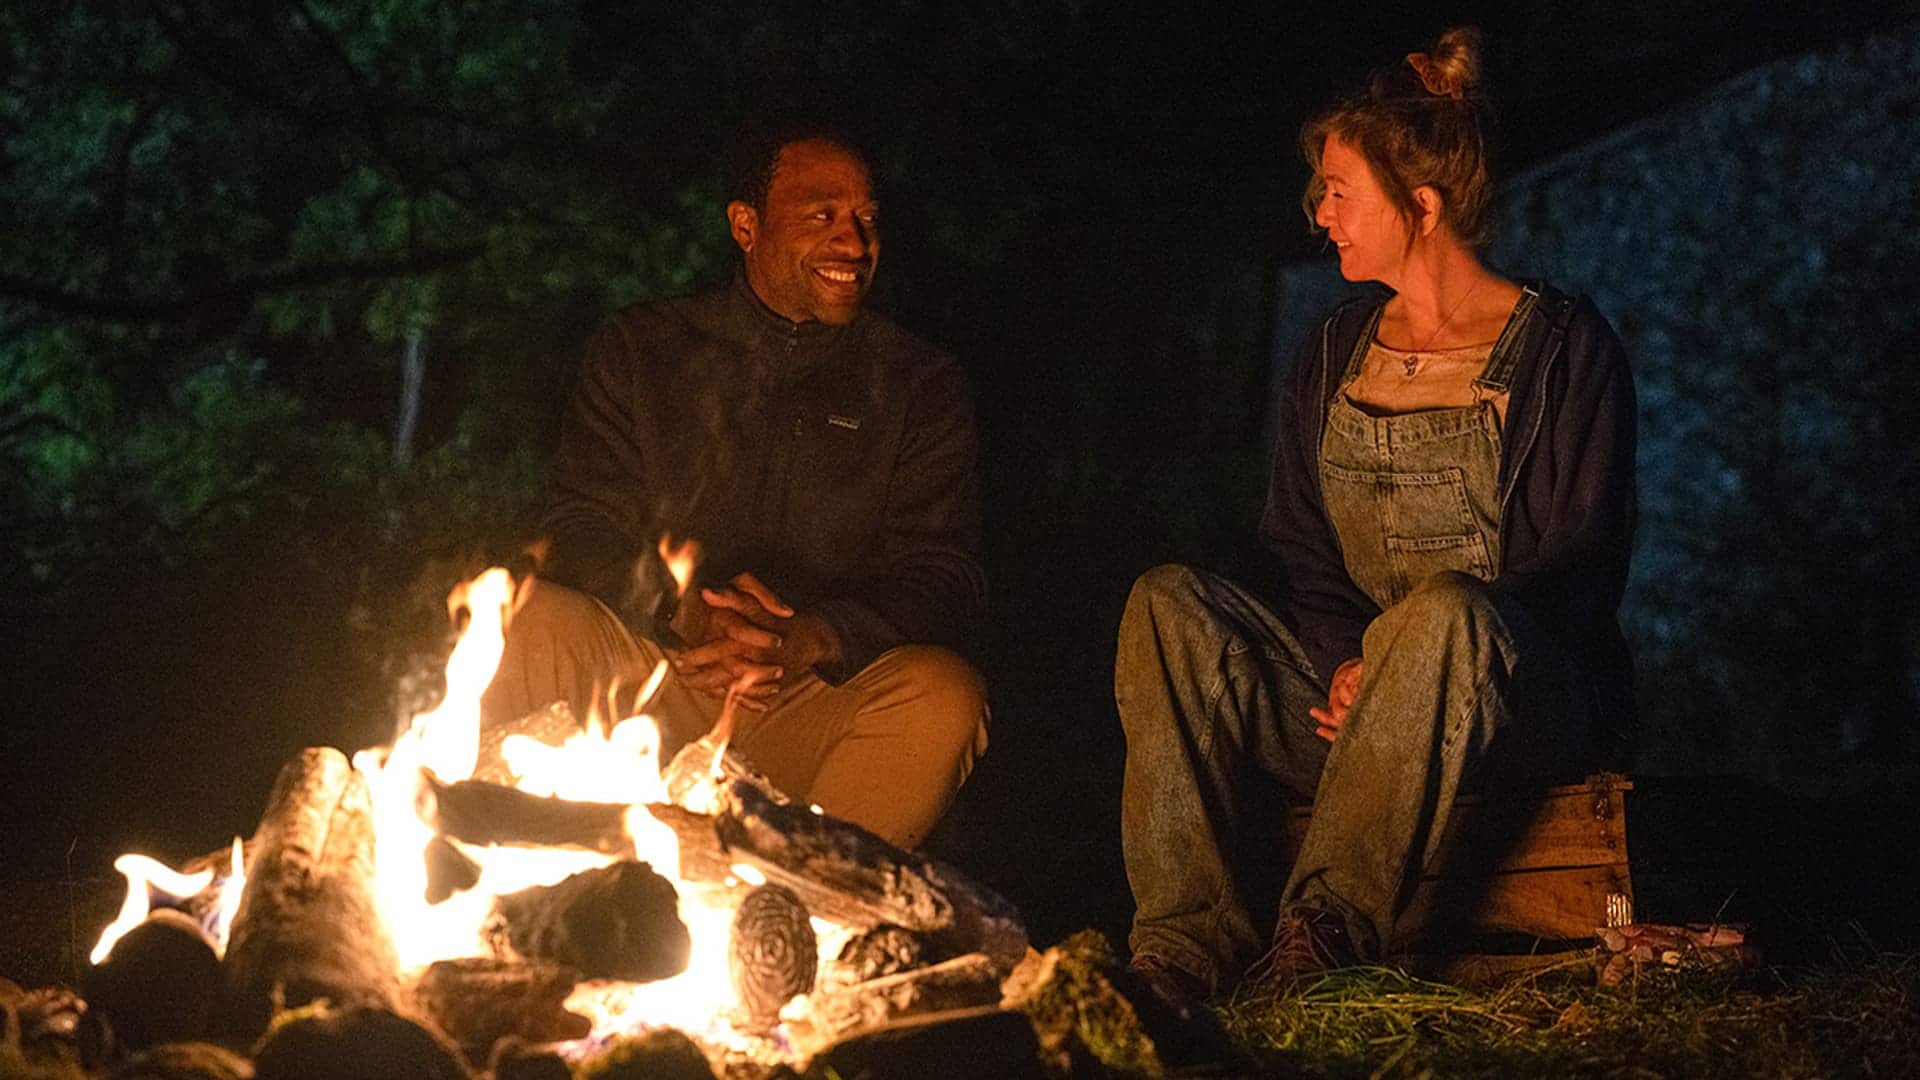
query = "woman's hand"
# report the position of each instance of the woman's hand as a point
(1341, 690)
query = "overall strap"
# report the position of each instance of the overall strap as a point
(1539, 322)
(1360, 345)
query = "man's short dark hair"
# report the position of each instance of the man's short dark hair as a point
(756, 150)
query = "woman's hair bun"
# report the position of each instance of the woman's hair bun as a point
(1453, 68)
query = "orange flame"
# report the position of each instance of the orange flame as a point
(680, 559)
(145, 876)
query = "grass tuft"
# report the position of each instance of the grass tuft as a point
(1848, 1017)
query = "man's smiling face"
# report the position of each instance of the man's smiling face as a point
(811, 251)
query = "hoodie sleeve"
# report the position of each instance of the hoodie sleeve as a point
(1580, 495)
(597, 481)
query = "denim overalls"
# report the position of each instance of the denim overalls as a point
(1414, 494)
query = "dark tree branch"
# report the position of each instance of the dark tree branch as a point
(119, 184)
(240, 290)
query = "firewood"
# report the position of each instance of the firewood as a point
(772, 954)
(615, 922)
(308, 926)
(695, 766)
(356, 1044)
(477, 812)
(959, 983)
(159, 984)
(883, 950)
(479, 1002)
(552, 725)
(702, 858)
(847, 874)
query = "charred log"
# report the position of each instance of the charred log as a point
(449, 870)
(158, 985)
(881, 951)
(479, 1002)
(845, 873)
(477, 812)
(616, 922)
(702, 857)
(702, 769)
(773, 952)
(962, 982)
(308, 927)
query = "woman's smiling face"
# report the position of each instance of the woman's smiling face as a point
(1364, 225)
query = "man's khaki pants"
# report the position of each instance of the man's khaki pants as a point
(886, 750)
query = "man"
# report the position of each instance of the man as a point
(825, 461)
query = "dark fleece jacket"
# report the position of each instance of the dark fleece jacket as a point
(1567, 497)
(838, 464)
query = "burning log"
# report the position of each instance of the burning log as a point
(479, 1002)
(845, 873)
(478, 812)
(158, 985)
(773, 953)
(552, 725)
(703, 858)
(962, 982)
(616, 922)
(308, 926)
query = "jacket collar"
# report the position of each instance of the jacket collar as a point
(791, 345)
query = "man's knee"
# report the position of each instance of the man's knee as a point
(556, 612)
(949, 693)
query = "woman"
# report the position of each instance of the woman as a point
(1451, 506)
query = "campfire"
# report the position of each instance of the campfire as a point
(554, 884)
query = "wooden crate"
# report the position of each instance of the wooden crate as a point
(1537, 869)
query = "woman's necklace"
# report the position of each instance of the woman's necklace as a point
(1412, 360)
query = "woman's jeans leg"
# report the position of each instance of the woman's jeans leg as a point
(1459, 690)
(1213, 693)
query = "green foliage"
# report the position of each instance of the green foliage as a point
(1077, 1006)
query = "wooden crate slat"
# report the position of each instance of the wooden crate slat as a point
(1553, 904)
(1572, 825)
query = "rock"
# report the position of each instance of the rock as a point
(159, 985)
(184, 1061)
(666, 1054)
(355, 1044)
(975, 1044)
